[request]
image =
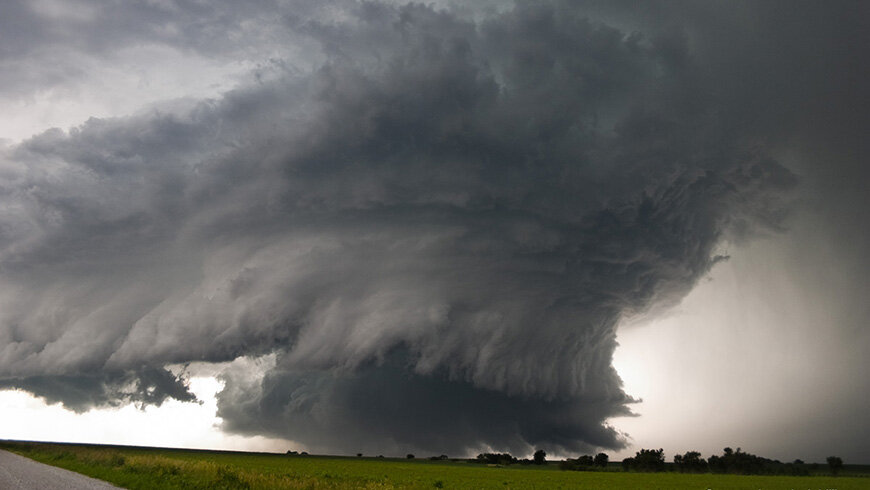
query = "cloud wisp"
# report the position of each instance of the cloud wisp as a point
(434, 233)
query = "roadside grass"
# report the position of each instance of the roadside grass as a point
(151, 468)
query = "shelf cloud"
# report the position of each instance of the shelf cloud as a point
(432, 234)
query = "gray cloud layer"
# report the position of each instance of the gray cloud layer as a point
(436, 231)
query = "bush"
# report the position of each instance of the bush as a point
(741, 463)
(646, 460)
(495, 458)
(835, 463)
(582, 463)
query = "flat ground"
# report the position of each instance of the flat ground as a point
(151, 468)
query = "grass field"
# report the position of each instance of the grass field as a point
(151, 468)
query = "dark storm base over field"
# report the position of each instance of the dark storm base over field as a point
(427, 222)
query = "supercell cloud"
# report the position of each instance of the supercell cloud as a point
(430, 236)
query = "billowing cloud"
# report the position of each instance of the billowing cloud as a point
(435, 232)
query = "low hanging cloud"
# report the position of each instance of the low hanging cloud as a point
(434, 234)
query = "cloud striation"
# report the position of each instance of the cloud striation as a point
(433, 234)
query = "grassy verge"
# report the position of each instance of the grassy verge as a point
(149, 468)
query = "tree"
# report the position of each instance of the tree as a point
(410, 456)
(741, 463)
(649, 460)
(582, 463)
(495, 458)
(540, 456)
(601, 460)
(585, 460)
(691, 462)
(835, 463)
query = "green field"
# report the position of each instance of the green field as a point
(150, 468)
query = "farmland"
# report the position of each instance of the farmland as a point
(153, 468)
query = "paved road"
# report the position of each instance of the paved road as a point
(20, 473)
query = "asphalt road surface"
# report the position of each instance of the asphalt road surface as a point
(20, 473)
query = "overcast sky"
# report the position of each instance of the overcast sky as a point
(390, 228)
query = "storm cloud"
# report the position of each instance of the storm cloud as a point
(433, 234)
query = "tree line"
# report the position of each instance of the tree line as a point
(504, 459)
(653, 460)
(730, 461)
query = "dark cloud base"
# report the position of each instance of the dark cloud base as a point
(386, 408)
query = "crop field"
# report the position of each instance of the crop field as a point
(151, 468)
